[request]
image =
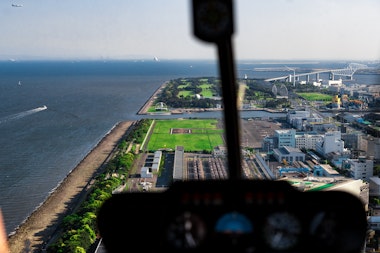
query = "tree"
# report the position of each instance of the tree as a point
(126, 160)
(123, 145)
(89, 218)
(70, 220)
(87, 236)
(79, 250)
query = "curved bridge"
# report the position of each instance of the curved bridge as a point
(349, 71)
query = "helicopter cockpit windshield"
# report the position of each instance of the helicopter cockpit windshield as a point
(235, 214)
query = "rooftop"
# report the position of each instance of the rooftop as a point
(288, 150)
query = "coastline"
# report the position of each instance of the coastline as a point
(36, 230)
(144, 109)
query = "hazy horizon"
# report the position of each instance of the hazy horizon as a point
(339, 30)
(240, 61)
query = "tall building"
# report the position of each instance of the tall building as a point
(285, 137)
(331, 142)
(301, 119)
(351, 140)
(307, 140)
(297, 118)
(359, 168)
(370, 145)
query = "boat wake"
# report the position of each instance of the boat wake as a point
(22, 114)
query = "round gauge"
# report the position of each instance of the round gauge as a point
(324, 227)
(282, 230)
(233, 223)
(186, 231)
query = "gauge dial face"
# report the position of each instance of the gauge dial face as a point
(186, 231)
(324, 228)
(233, 223)
(282, 230)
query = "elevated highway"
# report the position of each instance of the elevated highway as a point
(349, 71)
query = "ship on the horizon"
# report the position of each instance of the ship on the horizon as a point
(156, 59)
(17, 5)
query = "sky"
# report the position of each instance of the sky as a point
(143, 29)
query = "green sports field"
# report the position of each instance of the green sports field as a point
(193, 134)
(315, 96)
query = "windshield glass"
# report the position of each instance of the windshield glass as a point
(121, 95)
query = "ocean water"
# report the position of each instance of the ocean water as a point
(53, 113)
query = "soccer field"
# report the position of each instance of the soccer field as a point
(192, 134)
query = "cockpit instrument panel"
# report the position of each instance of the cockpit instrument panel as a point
(233, 216)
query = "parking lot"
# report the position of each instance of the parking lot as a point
(255, 130)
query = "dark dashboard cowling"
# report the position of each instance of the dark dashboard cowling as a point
(237, 216)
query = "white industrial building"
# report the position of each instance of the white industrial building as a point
(359, 168)
(148, 171)
(156, 161)
(307, 140)
(297, 118)
(301, 119)
(293, 114)
(330, 143)
(178, 163)
(335, 83)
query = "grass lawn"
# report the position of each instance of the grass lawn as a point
(205, 86)
(185, 93)
(182, 86)
(204, 136)
(206, 93)
(206, 90)
(314, 96)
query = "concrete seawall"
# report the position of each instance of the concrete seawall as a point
(144, 109)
